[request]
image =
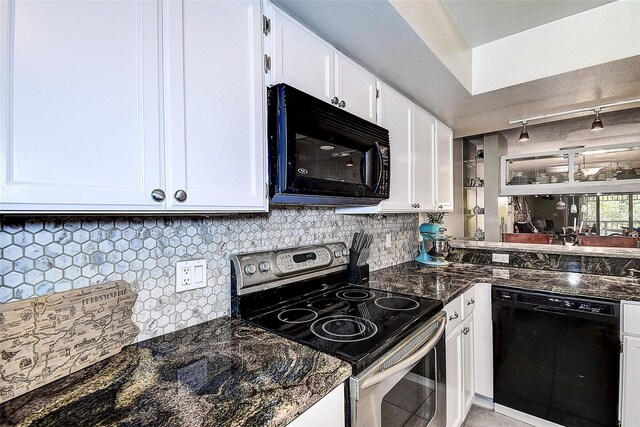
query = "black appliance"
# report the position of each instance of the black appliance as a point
(322, 155)
(556, 357)
(395, 343)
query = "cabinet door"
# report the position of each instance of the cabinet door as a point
(454, 379)
(300, 58)
(79, 96)
(327, 412)
(395, 115)
(356, 87)
(214, 105)
(424, 171)
(468, 389)
(444, 166)
(630, 383)
(483, 341)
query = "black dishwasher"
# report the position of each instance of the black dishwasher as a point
(556, 357)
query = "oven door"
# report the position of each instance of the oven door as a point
(405, 386)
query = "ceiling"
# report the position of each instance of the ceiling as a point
(484, 21)
(374, 34)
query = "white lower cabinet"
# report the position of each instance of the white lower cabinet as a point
(460, 357)
(327, 412)
(454, 379)
(630, 372)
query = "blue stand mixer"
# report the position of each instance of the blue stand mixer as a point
(435, 245)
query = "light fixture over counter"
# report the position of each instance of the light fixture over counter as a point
(595, 126)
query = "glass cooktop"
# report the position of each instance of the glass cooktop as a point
(353, 323)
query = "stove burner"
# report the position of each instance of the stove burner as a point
(297, 315)
(343, 328)
(329, 304)
(355, 295)
(396, 303)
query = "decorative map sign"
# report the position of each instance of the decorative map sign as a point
(46, 338)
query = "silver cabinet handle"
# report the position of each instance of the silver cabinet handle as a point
(418, 205)
(455, 316)
(471, 301)
(180, 195)
(466, 330)
(158, 195)
(342, 104)
(335, 100)
(439, 206)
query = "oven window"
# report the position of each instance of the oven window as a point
(318, 159)
(412, 401)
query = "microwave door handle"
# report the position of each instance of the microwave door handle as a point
(379, 151)
(405, 363)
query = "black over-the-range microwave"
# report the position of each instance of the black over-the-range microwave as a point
(322, 155)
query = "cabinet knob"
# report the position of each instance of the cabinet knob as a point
(342, 104)
(466, 330)
(417, 205)
(157, 195)
(439, 206)
(471, 301)
(455, 316)
(335, 100)
(180, 195)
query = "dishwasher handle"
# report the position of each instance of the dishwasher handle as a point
(552, 310)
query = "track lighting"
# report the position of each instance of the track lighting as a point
(597, 122)
(595, 126)
(524, 135)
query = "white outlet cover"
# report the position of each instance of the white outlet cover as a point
(191, 274)
(503, 258)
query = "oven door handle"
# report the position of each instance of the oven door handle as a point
(405, 363)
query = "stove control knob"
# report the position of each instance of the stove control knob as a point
(250, 269)
(345, 252)
(338, 254)
(264, 266)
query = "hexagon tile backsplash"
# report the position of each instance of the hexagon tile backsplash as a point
(40, 256)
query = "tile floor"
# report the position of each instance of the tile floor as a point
(482, 417)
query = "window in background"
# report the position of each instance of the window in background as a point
(612, 212)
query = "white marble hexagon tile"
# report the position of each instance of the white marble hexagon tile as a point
(40, 256)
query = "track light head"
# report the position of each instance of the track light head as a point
(597, 122)
(524, 135)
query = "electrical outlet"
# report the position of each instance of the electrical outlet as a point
(191, 274)
(387, 240)
(503, 258)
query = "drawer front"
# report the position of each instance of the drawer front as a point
(631, 318)
(454, 314)
(469, 301)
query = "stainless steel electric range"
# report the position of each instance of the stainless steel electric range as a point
(394, 342)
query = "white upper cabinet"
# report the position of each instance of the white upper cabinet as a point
(423, 159)
(303, 60)
(82, 103)
(79, 106)
(355, 88)
(396, 113)
(444, 167)
(214, 106)
(300, 58)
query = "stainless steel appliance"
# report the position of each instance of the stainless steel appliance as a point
(556, 357)
(322, 155)
(394, 342)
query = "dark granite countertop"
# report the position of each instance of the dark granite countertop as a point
(220, 373)
(447, 283)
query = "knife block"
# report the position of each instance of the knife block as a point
(357, 274)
